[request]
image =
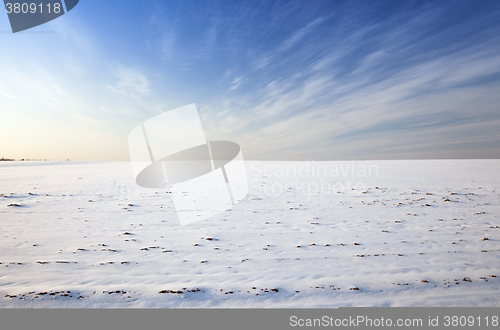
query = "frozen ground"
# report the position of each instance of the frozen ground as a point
(411, 233)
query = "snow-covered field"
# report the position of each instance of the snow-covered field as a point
(309, 234)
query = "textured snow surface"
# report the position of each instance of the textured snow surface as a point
(309, 234)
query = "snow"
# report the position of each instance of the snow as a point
(85, 235)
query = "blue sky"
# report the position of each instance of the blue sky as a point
(294, 80)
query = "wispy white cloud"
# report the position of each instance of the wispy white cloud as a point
(420, 107)
(300, 34)
(235, 83)
(131, 83)
(63, 119)
(8, 95)
(296, 37)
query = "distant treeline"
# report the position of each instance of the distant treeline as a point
(27, 160)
